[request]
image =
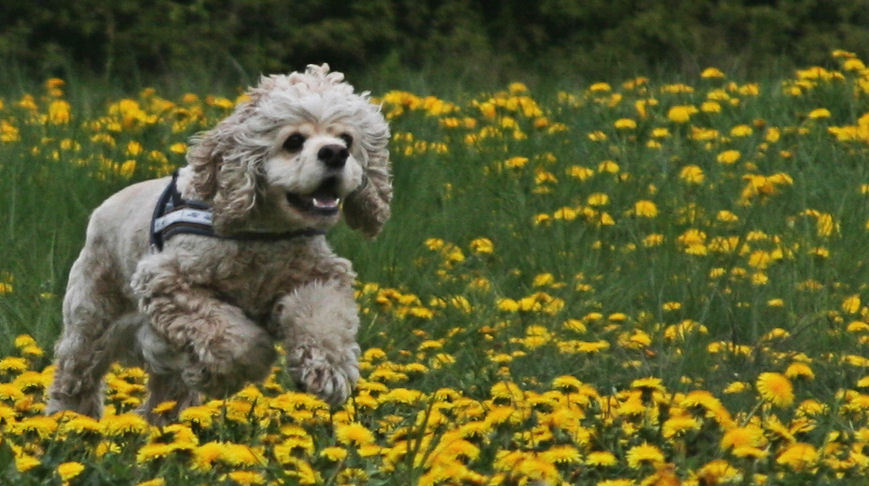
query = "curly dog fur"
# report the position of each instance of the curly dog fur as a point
(203, 314)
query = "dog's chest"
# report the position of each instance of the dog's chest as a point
(253, 275)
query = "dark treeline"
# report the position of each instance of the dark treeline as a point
(136, 39)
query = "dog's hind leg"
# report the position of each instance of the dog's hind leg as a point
(92, 305)
(165, 384)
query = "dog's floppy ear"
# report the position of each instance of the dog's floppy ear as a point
(204, 160)
(223, 169)
(368, 207)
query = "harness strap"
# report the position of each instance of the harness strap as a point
(174, 215)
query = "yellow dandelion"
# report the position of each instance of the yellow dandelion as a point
(728, 157)
(150, 452)
(600, 87)
(354, 433)
(616, 482)
(678, 425)
(644, 453)
(798, 456)
(24, 341)
(719, 471)
(69, 470)
(851, 305)
(482, 246)
(516, 162)
(59, 112)
(25, 462)
(819, 113)
(579, 172)
(652, 240)
(598, 199)
(625, 124)
(81, 425)
(741, 131)
(14, 364)
(246, 478)
(201, 415)
(775, 388)
(128, 423)
(562, 454)
(681, 113)
(164, 407)
(609, 167)
(749, 435)
(334, 453)
(601, 459)
(43, 427)
(800, 370)
(153, 482)
(712, 73)
(737, 387)
(645, 209)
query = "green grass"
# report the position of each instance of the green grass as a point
(767, 283)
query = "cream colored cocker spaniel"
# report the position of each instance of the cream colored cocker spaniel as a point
(196, 277)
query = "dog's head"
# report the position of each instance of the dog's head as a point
(302, 147)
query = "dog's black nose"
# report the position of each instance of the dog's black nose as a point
(333, 156)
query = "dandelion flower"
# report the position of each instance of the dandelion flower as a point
(681, 114)
(712, 73)
(798, 456)
(728, 157)
(600, 87)
(644, 453)
(601, 459)
(246, 478)
(750, 435)
(851, 305)
(354, 433)
(153, 482)
(775, 388)
(741, 131)
(128, 423)
(625, 124)
(678, 425)
(482, 246)
(334, 454)
(692, 174)
(719, 471)
(645, 209)
(69, 470)
(800, 370)
(819, 113)
(562, 454)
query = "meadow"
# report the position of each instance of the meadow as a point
(630, 282)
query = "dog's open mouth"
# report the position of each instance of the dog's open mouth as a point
(324, 200)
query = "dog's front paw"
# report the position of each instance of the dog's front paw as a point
(314, 372)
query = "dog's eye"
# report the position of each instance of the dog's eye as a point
(294, 142)
(348, 139)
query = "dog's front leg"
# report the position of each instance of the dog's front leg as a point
(212, 344)
(318, 323)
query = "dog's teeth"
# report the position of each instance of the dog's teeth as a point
(325, 203)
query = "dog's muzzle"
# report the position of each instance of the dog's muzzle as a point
(324, 200)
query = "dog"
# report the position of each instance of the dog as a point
(197, 276)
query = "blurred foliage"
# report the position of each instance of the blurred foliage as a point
(131, 39)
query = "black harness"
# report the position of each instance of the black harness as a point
(174, 215)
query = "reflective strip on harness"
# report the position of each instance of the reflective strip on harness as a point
(183, 216)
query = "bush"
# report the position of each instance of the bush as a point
(240, 38)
